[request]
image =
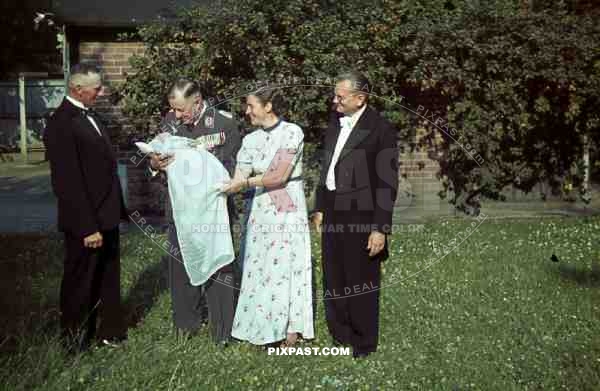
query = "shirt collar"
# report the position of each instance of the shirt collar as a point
(356, 116)
(76, 103)
(202, 111)
(353, 119)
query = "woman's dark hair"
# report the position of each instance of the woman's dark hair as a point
(273, 95)
(185, 87)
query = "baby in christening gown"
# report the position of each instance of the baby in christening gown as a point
(195, 178)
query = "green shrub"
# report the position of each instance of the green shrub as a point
(512, 95)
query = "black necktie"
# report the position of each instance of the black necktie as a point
(87, 112)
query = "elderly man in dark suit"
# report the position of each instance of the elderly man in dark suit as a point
(90, 207)
(355, 200)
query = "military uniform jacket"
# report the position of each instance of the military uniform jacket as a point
(216, 129)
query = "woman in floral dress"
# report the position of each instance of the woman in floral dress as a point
(275, 302)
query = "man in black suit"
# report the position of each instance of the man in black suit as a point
(355, 200)
(90, 205)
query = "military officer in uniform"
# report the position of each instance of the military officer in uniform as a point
(191, 117)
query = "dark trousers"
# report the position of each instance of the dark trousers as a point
(188, 300)
(351, 279)
(91, 286)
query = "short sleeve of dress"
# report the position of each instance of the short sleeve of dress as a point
(293, 138)
(246, 156)
(293, 142)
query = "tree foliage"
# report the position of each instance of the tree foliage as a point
(522, 92)
(511, 93)
(25, 49)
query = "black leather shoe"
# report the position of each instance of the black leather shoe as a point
(359, 354)
(182, 335)
(110, 342)
(338, 342)
(224, 343)
(73, 348)
(75, 344)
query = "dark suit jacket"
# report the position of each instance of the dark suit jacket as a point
(84, 173)
(366, 173)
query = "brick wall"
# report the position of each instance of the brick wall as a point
(145, 194)
(418, 172)
(417, 165)
(113, 59)
(417, 178)
(419, 185)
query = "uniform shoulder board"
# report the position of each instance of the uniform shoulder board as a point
(226, 114)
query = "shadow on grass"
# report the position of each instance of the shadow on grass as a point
(577, 274)
(31, 268)
(316, 294)
(144, 292)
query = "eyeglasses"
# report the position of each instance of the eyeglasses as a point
(97, 88)
(341, 99)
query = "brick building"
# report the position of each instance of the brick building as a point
(92, 36)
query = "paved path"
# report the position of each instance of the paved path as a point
(28, 205)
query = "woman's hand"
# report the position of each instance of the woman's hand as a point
(234, 186)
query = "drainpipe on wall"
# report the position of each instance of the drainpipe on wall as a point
(66, 66)
(23, 110)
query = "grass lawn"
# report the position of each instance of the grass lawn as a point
(493, 314)
(23, 170)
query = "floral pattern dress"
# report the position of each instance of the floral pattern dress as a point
(276, 290)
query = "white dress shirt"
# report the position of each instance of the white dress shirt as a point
(347, 123)
(77, 103)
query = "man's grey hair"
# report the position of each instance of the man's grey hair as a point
(83, 75)
(359, 82)
(184, 88)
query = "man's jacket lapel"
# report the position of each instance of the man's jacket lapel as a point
(359, 133)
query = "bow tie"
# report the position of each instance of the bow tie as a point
(346, 122)
(88, 112)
